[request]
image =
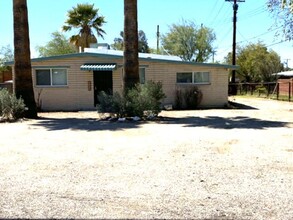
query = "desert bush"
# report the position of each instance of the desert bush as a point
(140, 101)
(188, 98)
(108, 103)
(11, 108)
(145, 99)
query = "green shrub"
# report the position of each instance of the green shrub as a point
(188, 98)
(114, 104)
(145, 100)
(10, 106)
(140, 101)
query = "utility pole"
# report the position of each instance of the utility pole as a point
(158, 38)
(214, 51)
(287, 63)
(235, 9)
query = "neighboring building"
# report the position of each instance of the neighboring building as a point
(6, 79)
(72, 81)
(285, 75)
(285, 81)
(5, 75)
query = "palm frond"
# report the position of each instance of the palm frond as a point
(85, 18)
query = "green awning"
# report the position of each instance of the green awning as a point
(98, 66)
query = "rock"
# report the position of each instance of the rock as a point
(136, 118)
(121, 119)
(112, 119)
(151, 117)
(168, 107)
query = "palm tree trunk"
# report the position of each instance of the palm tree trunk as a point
(131, 66)
(23, 85)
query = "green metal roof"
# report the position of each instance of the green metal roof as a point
(98, 66)
(110, 56)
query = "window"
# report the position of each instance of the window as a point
(51, 77)
(193, 77)
(201, 77)
(43, 77)
(184, 77)
(142, 75)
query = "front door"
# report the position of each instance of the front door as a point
(103, 81)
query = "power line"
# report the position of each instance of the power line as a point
(214, 7)
(241, 36)
(225, 35)
(280, 42)
(257, 36)
(240, 17)
(225, 20)
(253, 12)
(227, 47)
(218, 13)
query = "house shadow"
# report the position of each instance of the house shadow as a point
(237, 105)
(213, 122)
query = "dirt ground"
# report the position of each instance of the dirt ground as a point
(204, 164)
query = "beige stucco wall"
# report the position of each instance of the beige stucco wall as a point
(78, 96)
(214, 94)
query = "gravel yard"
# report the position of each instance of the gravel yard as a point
(205, 164)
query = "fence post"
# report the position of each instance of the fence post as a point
(291, 87)
(278, 88)
(240, 89)
(289, 91)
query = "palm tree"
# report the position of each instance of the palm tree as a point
(131, 75)
(85, 18)
(23, 85)
(143, 46)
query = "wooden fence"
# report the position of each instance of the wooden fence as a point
(281, 90)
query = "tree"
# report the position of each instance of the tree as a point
(6, 54)
(204, 39)
(257, 63)
(189, 42)
(85, 18)
(118, 42)
(59, 45)
(22, 64)
(283, 11)
(143, 46)
(131, 66)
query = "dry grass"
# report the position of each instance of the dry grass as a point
(210, 164)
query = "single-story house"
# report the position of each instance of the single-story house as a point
(72, 81)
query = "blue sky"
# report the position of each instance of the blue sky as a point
(254, 24)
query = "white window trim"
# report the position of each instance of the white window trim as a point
(195, 83)
(51, 78)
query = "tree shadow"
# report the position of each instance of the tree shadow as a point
(214, 122)
(238, 122)
(86, 124)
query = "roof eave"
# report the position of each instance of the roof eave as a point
(84, 54)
